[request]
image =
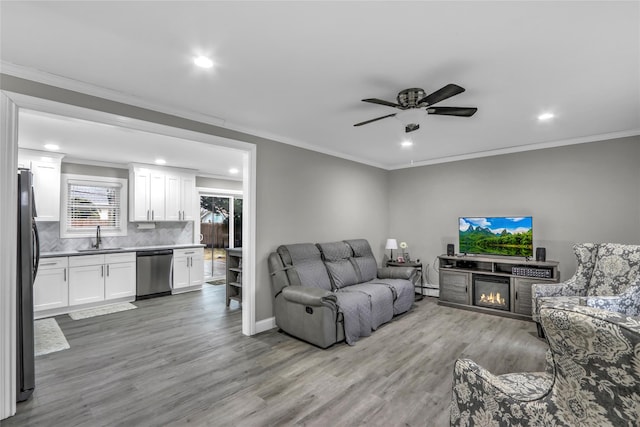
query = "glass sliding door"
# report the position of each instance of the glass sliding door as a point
(220, 228)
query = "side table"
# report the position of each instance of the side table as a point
(417, 266)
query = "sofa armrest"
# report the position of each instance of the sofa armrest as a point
(539, 290)
(396, 272)
(507, 386)
(307, 295)
(544, 290)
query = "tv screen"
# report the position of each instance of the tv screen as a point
(509, 236)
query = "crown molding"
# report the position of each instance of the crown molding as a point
(520, 148)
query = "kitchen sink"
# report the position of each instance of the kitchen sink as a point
(100, 250)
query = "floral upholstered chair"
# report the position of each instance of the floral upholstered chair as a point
(593, 380)
(604, 270)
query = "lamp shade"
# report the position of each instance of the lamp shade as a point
(391, 244)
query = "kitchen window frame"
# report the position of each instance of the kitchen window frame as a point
(97, 181)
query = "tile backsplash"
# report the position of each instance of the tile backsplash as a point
(165, 233)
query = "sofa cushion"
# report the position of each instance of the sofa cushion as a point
(403, 293)
(617, 266)
(342, 273)
(309, 269)
(380, 298)
(335, 251)
(337, 257)
(363, 258)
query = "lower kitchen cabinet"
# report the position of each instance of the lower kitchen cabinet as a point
(120, 280)
(86, 279)
(51, 289)
(188, 267)
(94, 278)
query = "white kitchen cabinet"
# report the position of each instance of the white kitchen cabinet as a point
(188, 267)
(180, 190)
(188, 197)
(157, 196)
(139, 194)
(173, 202)
(161, 194)
(86, 279)
(45, 168)
(86, 284)
(50, 289)
(120, 279)
(94, 278)
(181, 265)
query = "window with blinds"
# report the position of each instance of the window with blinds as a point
(92, 202)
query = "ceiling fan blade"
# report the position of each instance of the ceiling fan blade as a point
(452, 111)
(375, 120)
(382, 102)
(441, 94)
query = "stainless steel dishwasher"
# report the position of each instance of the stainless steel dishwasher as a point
(153, 273)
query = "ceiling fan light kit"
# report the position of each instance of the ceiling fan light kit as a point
(411, 101)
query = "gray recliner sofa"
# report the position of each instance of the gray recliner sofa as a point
(329, 292)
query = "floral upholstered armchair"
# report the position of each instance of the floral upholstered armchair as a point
(593, 377)
(604, 270)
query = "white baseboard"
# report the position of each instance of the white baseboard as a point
(265, 325)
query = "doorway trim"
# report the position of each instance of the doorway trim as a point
(8, 254)
(11, 104)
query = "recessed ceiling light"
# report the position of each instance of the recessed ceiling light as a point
(406, 143)
(546, 116)
(51, 147)
(160, 161)
(233, 171)
(203, 62)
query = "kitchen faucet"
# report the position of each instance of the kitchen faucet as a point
(98, 239)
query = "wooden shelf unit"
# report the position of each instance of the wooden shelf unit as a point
(457, 273)
(234, 275)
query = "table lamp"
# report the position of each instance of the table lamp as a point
(391, 244)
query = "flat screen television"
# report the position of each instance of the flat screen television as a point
(508, 236)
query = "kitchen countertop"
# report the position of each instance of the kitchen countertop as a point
(118, 250)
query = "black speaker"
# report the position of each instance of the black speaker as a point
(450, 249)
(541, 254)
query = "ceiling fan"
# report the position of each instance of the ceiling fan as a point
(410, 101)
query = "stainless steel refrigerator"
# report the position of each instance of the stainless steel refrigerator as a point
(28, 258)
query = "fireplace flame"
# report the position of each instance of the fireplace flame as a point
(493, 299)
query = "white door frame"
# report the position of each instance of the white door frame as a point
(11, 103)
(8, 254)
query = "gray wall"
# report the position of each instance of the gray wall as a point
(78, 169)
(301, 195)
(578, 193)
(223, 184)
(305, 196)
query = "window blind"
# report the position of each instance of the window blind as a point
(93, 204)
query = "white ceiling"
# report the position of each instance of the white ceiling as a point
(84, 141)
(296, 71)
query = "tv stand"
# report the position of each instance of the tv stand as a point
(472, 282)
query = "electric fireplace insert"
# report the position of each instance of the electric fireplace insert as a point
(491, 292)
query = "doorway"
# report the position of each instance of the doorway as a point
(10, 104)
(220, 228)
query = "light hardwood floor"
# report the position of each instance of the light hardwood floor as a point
(182, 360)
